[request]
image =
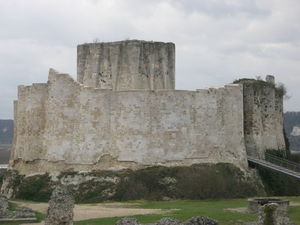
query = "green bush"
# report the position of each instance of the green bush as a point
(93, 191)
(1, 179)
(35, 188)
(295, 158)
(215, 181)
(269, 211)
(145, 184)
(99, 187)
(278, 184)
(201, 181)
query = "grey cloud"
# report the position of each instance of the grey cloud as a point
(221, 9)
(216, 41)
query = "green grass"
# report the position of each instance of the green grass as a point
(294, 211)
(12, 206)
(186, 209)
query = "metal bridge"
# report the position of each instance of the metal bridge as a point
(278, 164)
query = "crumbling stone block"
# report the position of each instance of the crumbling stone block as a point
(61, 205)
(201, 220)
(23, 213)
(3, 205)
(168, 221)
(270, 79)
(272, 214)
(128, 221)
(198, 220)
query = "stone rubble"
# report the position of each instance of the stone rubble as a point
(128, 221)
(201, 220)
(198, 220)
(61, 205)
(5, 213)
(168, 221)
(3, 205)
(272, 214)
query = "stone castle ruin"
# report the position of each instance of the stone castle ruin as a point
(124, 112)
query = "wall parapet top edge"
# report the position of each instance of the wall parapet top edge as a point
(124, 41)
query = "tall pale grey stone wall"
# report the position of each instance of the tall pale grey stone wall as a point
(66, 125)
(127, 65)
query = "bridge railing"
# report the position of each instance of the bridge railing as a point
(282, 162)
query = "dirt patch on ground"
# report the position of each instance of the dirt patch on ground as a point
(102, 210)
(239, 210)
(294, 203)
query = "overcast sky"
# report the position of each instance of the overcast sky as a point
(217, 41)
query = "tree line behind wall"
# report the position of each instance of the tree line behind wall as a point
(292, 119)
(6, 136)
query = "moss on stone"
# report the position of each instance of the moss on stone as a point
(269, 219)
(259, 85)
(35, 188)
(199, 181)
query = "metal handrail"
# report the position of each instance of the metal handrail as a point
(274, 167)
(282, 162)
(282, 159)
(275, 156)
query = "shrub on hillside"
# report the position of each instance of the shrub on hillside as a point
(201, 181)
(36, 188)
(278, 184)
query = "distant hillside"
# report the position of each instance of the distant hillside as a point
(6, 136)
(292, 129)
(6, 131)
(4, 154)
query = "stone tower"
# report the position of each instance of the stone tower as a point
(263, 116)
(127, 65)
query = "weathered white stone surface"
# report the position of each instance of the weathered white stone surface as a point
(263, 116)
(127, 65)
(63, 124)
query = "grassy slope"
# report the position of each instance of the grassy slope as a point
(294, 211)
(188, 209)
